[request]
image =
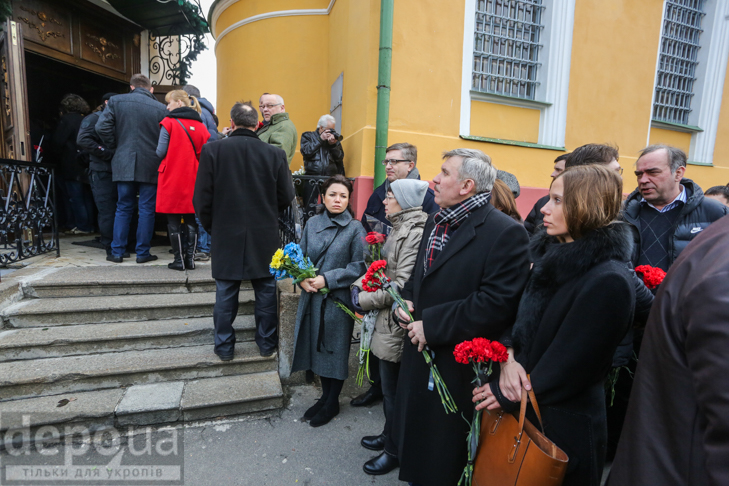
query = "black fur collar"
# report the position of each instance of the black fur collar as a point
(558, 263)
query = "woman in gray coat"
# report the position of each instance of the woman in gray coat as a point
(404, 209)
(334, 241)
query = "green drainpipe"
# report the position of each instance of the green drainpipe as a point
(383, 88)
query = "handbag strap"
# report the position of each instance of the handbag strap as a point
(522, 412)
(194, 150)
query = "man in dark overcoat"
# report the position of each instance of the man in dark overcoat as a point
(677, 427)
(130, 125)
(242, 184)
(472, 266)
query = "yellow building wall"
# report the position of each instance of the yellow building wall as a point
(681, 140)
(611, 82)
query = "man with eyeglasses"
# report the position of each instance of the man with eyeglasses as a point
(400, 161)
(277, 129)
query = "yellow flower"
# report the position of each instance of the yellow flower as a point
(277, 259)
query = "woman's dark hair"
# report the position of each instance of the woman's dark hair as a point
(337, 179)
(503, 199)
(73, 103)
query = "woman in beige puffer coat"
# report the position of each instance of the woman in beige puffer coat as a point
(403, 206)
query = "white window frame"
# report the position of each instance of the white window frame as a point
(553, 74)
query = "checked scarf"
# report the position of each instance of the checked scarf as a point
(447, 221)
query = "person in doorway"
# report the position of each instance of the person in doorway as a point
(130, 126)
(404, 209)
(278, 130)
(577, 306)
(534, 219)
(472, 265)
(181, 137)
(102, 187)
(242, 184)
(334, 241)
(75, 189)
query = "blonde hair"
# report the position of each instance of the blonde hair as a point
(187, 100)
(592, 198)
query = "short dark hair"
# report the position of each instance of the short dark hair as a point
(561, 158)
(140, 81)
(592, 153)
(191, 90)
(409, 151)
(676, 157)
(73, 103)
(718, 191)
(244, 115)
(336, 179)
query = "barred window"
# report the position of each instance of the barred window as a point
(678, 60)
(506, 47)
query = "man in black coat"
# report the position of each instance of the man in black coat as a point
(102, 186)
(242, 184)
(130, 126)
(471, 268)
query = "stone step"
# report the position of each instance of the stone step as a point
(150, 404)
(105, 281)
(53, 376)
(117, 308)
(55, 342)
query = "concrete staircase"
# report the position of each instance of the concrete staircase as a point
(120, 346)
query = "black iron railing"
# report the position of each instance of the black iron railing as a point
(28, 225)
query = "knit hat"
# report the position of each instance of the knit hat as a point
(409, 192)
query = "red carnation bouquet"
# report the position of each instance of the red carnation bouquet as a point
(481, 354)
(375, 241)
(652, 276)
(375, 279)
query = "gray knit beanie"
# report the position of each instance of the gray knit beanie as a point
(409, 192)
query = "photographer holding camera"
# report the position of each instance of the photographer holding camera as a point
(323, 155)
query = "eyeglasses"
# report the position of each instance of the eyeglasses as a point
(620, 171)
(389, 197)
(387, 162)
(269, 106)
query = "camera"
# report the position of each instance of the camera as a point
(336, 135)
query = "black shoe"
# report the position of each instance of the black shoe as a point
(148, 258)
(382, 464)
(115, 259)
(323, 416)
(367, 398)
(267, 354)
(313, 410)
(373, 442)
(225, 357)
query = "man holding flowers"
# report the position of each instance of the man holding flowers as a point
(471, 268)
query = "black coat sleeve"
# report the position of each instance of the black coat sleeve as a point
(336, 157)
(202, 199)
(492, 308)
(88, 141)
(105, 127)
(284, 183)
(310, 144)
(582, 350)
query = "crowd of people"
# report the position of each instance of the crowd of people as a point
(560, 289)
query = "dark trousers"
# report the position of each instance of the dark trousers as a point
(175, 221)
(388, 376)
(127, 192)
(81, 205)
(226, 310)
(374, 376)
(105, 196)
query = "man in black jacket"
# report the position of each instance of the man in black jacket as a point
(102, 186)
(323, 156)
(130, 125)
(242, 184)
(535, 216)
(470, 271)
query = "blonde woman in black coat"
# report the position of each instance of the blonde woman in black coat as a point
(577, 306)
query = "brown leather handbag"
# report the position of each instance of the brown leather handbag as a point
(513, 452)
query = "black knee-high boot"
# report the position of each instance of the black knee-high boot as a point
(176, 243)
(331, 405)
(191, 235)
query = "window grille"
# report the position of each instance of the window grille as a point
(678, 60)
(506, 47)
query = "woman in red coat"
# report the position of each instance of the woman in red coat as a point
(182, 135)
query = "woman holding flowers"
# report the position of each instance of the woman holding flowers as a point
(334, 241)
(404, 209)
(577, 306)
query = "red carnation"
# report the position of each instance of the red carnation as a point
(652, 276)
(463, 352)
(481, 350)
(373, 238)
(500, 354)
